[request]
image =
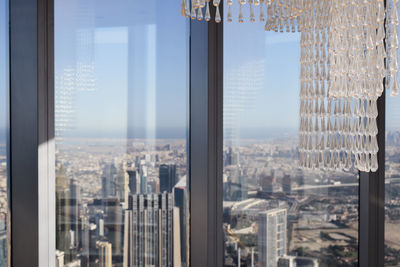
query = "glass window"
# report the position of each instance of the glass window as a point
(4, 134)
(392, 182)
(273, 210)
(121, 91)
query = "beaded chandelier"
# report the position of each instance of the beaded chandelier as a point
(349, 49)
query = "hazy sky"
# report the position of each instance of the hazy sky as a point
(3, 69)
(140, 59)
(139, 55)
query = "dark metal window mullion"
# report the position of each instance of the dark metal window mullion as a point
(32, 139)
(372, 200)
(206, 142)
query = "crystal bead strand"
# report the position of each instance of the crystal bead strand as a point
(193, 13)
(187, 9)
(262, 14)
(207, 16)
(388, 24)
(381, 53)
(241, 3)
(394, 88)
(229, 16)
(269, 25)
(303, 101)
(252, 16)
(200, 14)
(217, 13)
(183, 8)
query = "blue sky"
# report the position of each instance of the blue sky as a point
(3, 69)
(141, 68)
(140, 61)
(274, 102)
(140, 55)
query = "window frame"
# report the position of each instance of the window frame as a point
(32, 172)
(32, 133)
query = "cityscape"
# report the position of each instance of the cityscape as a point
(276, 214)
(4, 218)
(125, 203)
(122, 203)
(261, 183)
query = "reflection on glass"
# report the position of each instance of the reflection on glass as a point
(121, 124)
(392, 182)
(4, 134)
(276, 214)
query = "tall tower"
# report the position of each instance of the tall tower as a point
(59, 258)
(271, 236)
(167, 177)
(132, 181)
(74, 208)
(152, 231)
(63, 220)
(105, 253)
(113, 225)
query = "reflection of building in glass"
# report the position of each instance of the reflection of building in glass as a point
(132, 181)
(3, 245)
(113, 224)
(167, 177)
(67, 214)
(105, 253)
(294, 261)
(59, 258)
(287, 184)
(152, 231)
(241, 86)
(271, 236)
(64, 100)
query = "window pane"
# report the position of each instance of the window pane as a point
(392, 182)
(4, 133)
(276, 214)
(121, 79)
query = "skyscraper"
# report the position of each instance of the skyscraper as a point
(287, 184)
(132, 181)
(271, 236)
(74, 208)
(62, 214)
(105, 253)
(89, 246)
(294, 261)
(59, 258)
(113, 226)
(152, 233)
(167, 177)
(180, 204)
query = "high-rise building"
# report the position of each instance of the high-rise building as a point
(271, 236)
(74, 211)
(152, 233)
(267, 183)
(63, 220)
(59, 258)
(143, 184)
(132, 181)
(105, 253)
(295, 261)
(74, 263)
(287, 184)
(180, 203)
(89, 246)
(167, 175)
(113, 226)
